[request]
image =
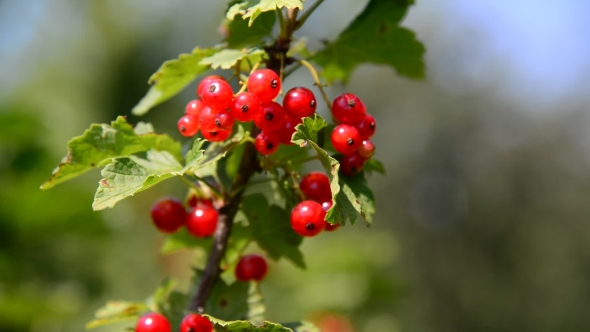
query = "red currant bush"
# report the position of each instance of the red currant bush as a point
(168, 215)
(251, 267)
(346, 138)
(195, 323)
(245, 107)
(188, 125)
(265, 84)
(218, 94)
(316, 186)
(202, 221)
(307, 218)
(153, 322)
(299, 102)
(266, 143)
(348, 108)
(271, 116)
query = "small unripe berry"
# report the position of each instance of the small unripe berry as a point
(367, 149)
(195, 323)
(251, 267)
(153, 322)
(307, 218)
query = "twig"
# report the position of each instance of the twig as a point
(316, 78)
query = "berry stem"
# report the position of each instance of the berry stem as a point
(245, 85)
(315, 76)
(299, 23)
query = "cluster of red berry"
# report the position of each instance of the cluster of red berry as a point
(215, 112)
(351, 136)
(169, 215)
(154, 322)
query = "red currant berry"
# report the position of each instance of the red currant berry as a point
(265, 84)
(218, 95)
(266, 143)
(329, 227)
(195, 323)
(345, 138)
(216, 136)
(351, 164)
(194, 107)
(271, 116)
(367, 149)
(188, 125)
(286, 131)
(348, 108)
(224, 120)
(245, 107)
(153, 322)
(194, 200)
(367, 126)
(316, 186)
(207, 119)
(168, 215)
(307, 218)
(205, 83)
(299, 102)
(251, 267)
(202, 221)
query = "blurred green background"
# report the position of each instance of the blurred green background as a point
(482, 220)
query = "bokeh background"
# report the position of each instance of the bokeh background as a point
(482, 220)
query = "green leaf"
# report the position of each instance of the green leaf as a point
(158, 299)
(228, 58)
(374, 37)
(116, 311)
(253, 8)
(101, 142)
(184, 240)
(374, 165)
(126, 176)
(271, 229)
(228, 302)
(359, 189)
(245, 326)
(308, 130)
(174, 308)
(172, 77)
(239, 35)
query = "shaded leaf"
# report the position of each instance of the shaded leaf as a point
(160, 295)
(239, 35)
(253, 8)
(172, 77)
(228, 302)
(228, 58)
(303, 326)
(359, 189)
(374, 165)
(374, 37)
(245, 326)
(271, 229)
(101, 142)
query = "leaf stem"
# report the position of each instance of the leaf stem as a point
(314, 73)
(282, 24)
(306, 14)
